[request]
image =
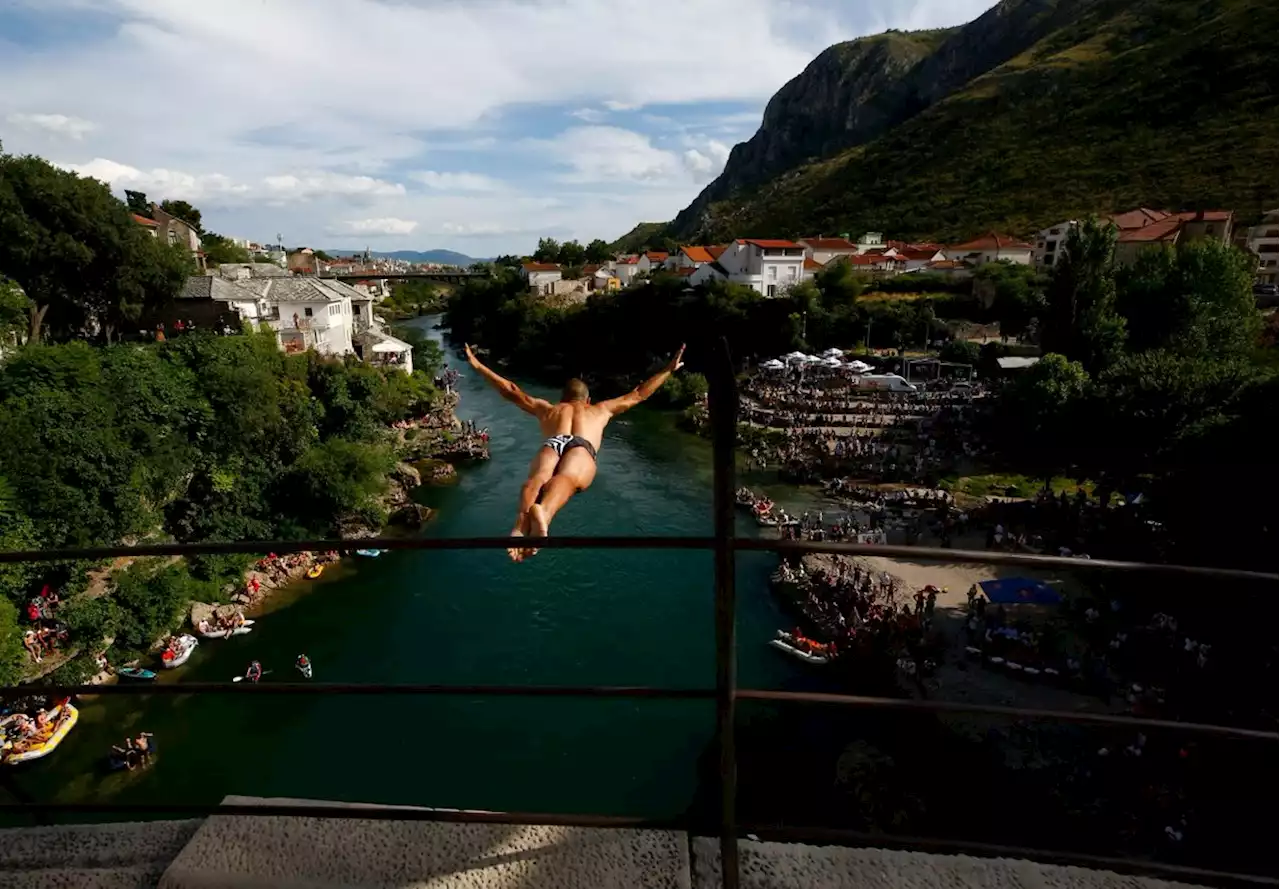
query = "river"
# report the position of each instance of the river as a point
(564, 617)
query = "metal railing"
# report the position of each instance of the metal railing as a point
(725, 545)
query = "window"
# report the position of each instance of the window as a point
(1050, 246)
(306, 311)
(1055, 231)
(1267, 248)
(772, 290)
(173, 236)
(773, 273)
(1048, 260)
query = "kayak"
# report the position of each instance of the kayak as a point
(246, 627)
(315, 571)
(370, 553)
(48, 744)
(807, 657)
(186, 645)
(136, 673)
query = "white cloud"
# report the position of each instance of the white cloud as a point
(272, 135)
(55, 124)
(321, 184)
(387, 225)
(161, 183)
(455, 181)
(610, 154)
(590, 115)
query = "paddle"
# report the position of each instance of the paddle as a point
(242, 678)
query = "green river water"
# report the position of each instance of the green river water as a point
(565, 617)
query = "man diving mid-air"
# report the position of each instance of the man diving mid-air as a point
(566, 462)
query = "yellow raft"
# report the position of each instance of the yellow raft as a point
(36, 749)
(315, 571)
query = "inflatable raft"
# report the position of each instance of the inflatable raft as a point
(180, 655)
(246, 627)
(370, 553)
(806, 656)
(49, 743)
(316, 571)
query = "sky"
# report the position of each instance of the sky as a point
(472, 125)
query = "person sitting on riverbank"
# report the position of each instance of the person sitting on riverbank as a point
(573, 428)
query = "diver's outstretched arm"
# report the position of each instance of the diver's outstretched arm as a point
(626, 402)
(507, 389)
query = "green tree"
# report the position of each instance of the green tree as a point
(597, 251)
(137, 202)
(571, 253)
(1195, 300)
(961, 352)
(1016, 294)
(322, 255)
(335, 480)
(219, 250)
(1044, 414)
(1083, 323)
(548, 250)
(185, 212)
(77, 253)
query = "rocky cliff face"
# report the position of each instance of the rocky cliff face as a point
(855, 91)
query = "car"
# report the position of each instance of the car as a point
(1264, 290)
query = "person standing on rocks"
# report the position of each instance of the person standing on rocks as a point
(566, 461)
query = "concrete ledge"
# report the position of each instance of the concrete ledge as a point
(91, 856)
(277, 851)
(797, 866)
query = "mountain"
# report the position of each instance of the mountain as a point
(1035, 112)
(441, 257)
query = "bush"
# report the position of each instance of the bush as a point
(89, 621)
(13, 657)
(153, 603)
(77, 671)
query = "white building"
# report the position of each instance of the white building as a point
(707, 274)
(1262, 241)
(991, 248)
(306, 313)
(541, 276)
(770, 267)
(1050, 242)
(823, 250)
(625, 269)
(871, 241)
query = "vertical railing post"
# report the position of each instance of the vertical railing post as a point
(723, 406)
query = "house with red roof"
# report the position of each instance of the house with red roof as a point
(541, 276)
(992, 247)
(650, 261)
(914, 257)
(770, 266)
(1131, 243)
(691, 256)
(822, 250)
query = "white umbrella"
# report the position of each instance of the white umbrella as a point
(833, 352)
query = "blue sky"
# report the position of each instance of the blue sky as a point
(476, 125)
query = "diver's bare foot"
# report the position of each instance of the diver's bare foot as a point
(518, 554)
(538, 525)
(515, 553)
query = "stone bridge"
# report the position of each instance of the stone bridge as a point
(229, 852)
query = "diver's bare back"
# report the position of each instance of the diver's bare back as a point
(575, 418)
